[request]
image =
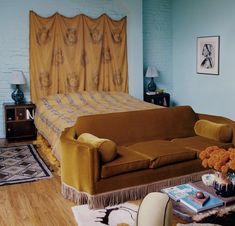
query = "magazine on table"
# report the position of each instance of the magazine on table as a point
(179, 191)
(185, 193)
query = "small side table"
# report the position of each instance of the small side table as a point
(19, 121)
(162, 99)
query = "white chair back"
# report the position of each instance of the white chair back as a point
(155, 210)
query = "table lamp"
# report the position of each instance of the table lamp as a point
(18, 79)
(152, 73)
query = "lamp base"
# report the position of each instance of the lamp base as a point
(18, 95)
(152, 86)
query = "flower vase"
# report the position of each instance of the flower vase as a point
(223, 185)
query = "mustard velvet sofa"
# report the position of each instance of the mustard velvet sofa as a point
(155, 148)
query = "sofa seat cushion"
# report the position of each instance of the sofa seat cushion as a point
(162, 152)
(126, 161)
(198, 143)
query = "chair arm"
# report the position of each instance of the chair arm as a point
(219, 119)
(80, 164)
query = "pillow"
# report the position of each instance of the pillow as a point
(214, 131)
(106, 147)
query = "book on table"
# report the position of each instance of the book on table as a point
(186, 194)
(179, 191)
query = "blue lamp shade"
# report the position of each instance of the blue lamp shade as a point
(152, 72)
(18, 79)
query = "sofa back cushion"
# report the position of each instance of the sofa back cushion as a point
(136, 126)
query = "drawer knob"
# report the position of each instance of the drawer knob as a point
(8, 129)
(20, 114)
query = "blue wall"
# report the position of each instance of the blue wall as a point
(14, 38)
(205, 93)
(157, 37)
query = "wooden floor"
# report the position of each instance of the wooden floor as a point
(37, 203)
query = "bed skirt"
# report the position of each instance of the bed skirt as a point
(45, 151)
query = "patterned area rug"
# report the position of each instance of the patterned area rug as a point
(119, 215)
(21, 164)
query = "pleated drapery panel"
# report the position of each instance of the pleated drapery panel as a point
(76, 54)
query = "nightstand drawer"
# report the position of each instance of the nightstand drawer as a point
(20, 129)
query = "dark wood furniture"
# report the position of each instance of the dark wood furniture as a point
(162, 99)
(19, 121)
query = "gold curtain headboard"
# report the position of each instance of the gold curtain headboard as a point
(69, 54)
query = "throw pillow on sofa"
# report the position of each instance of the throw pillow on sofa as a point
(215, 131)
(106, 147)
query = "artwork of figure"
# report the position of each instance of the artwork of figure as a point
(208, 56)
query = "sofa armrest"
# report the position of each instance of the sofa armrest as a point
(219, 119)
(80, 164)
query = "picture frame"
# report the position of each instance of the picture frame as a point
(208, 55)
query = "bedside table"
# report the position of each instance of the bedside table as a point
(19, 121)
(162, 99)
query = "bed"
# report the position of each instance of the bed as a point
(56, 113)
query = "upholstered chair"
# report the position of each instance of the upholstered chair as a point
(155, 210)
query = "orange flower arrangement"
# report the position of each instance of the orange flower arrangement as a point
(218, 158)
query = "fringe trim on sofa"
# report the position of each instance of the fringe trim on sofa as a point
(122, 195)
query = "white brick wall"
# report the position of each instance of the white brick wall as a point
(14, 37)
(157, 39)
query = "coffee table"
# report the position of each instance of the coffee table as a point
(186, 214)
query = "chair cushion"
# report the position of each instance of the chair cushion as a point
(126, 161)
(198, 143)
(162, 152)
(216, 131)
(106, 147)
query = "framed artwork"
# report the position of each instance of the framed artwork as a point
(208, 55)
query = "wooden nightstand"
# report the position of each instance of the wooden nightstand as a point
(162, 99)
(19, 121)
